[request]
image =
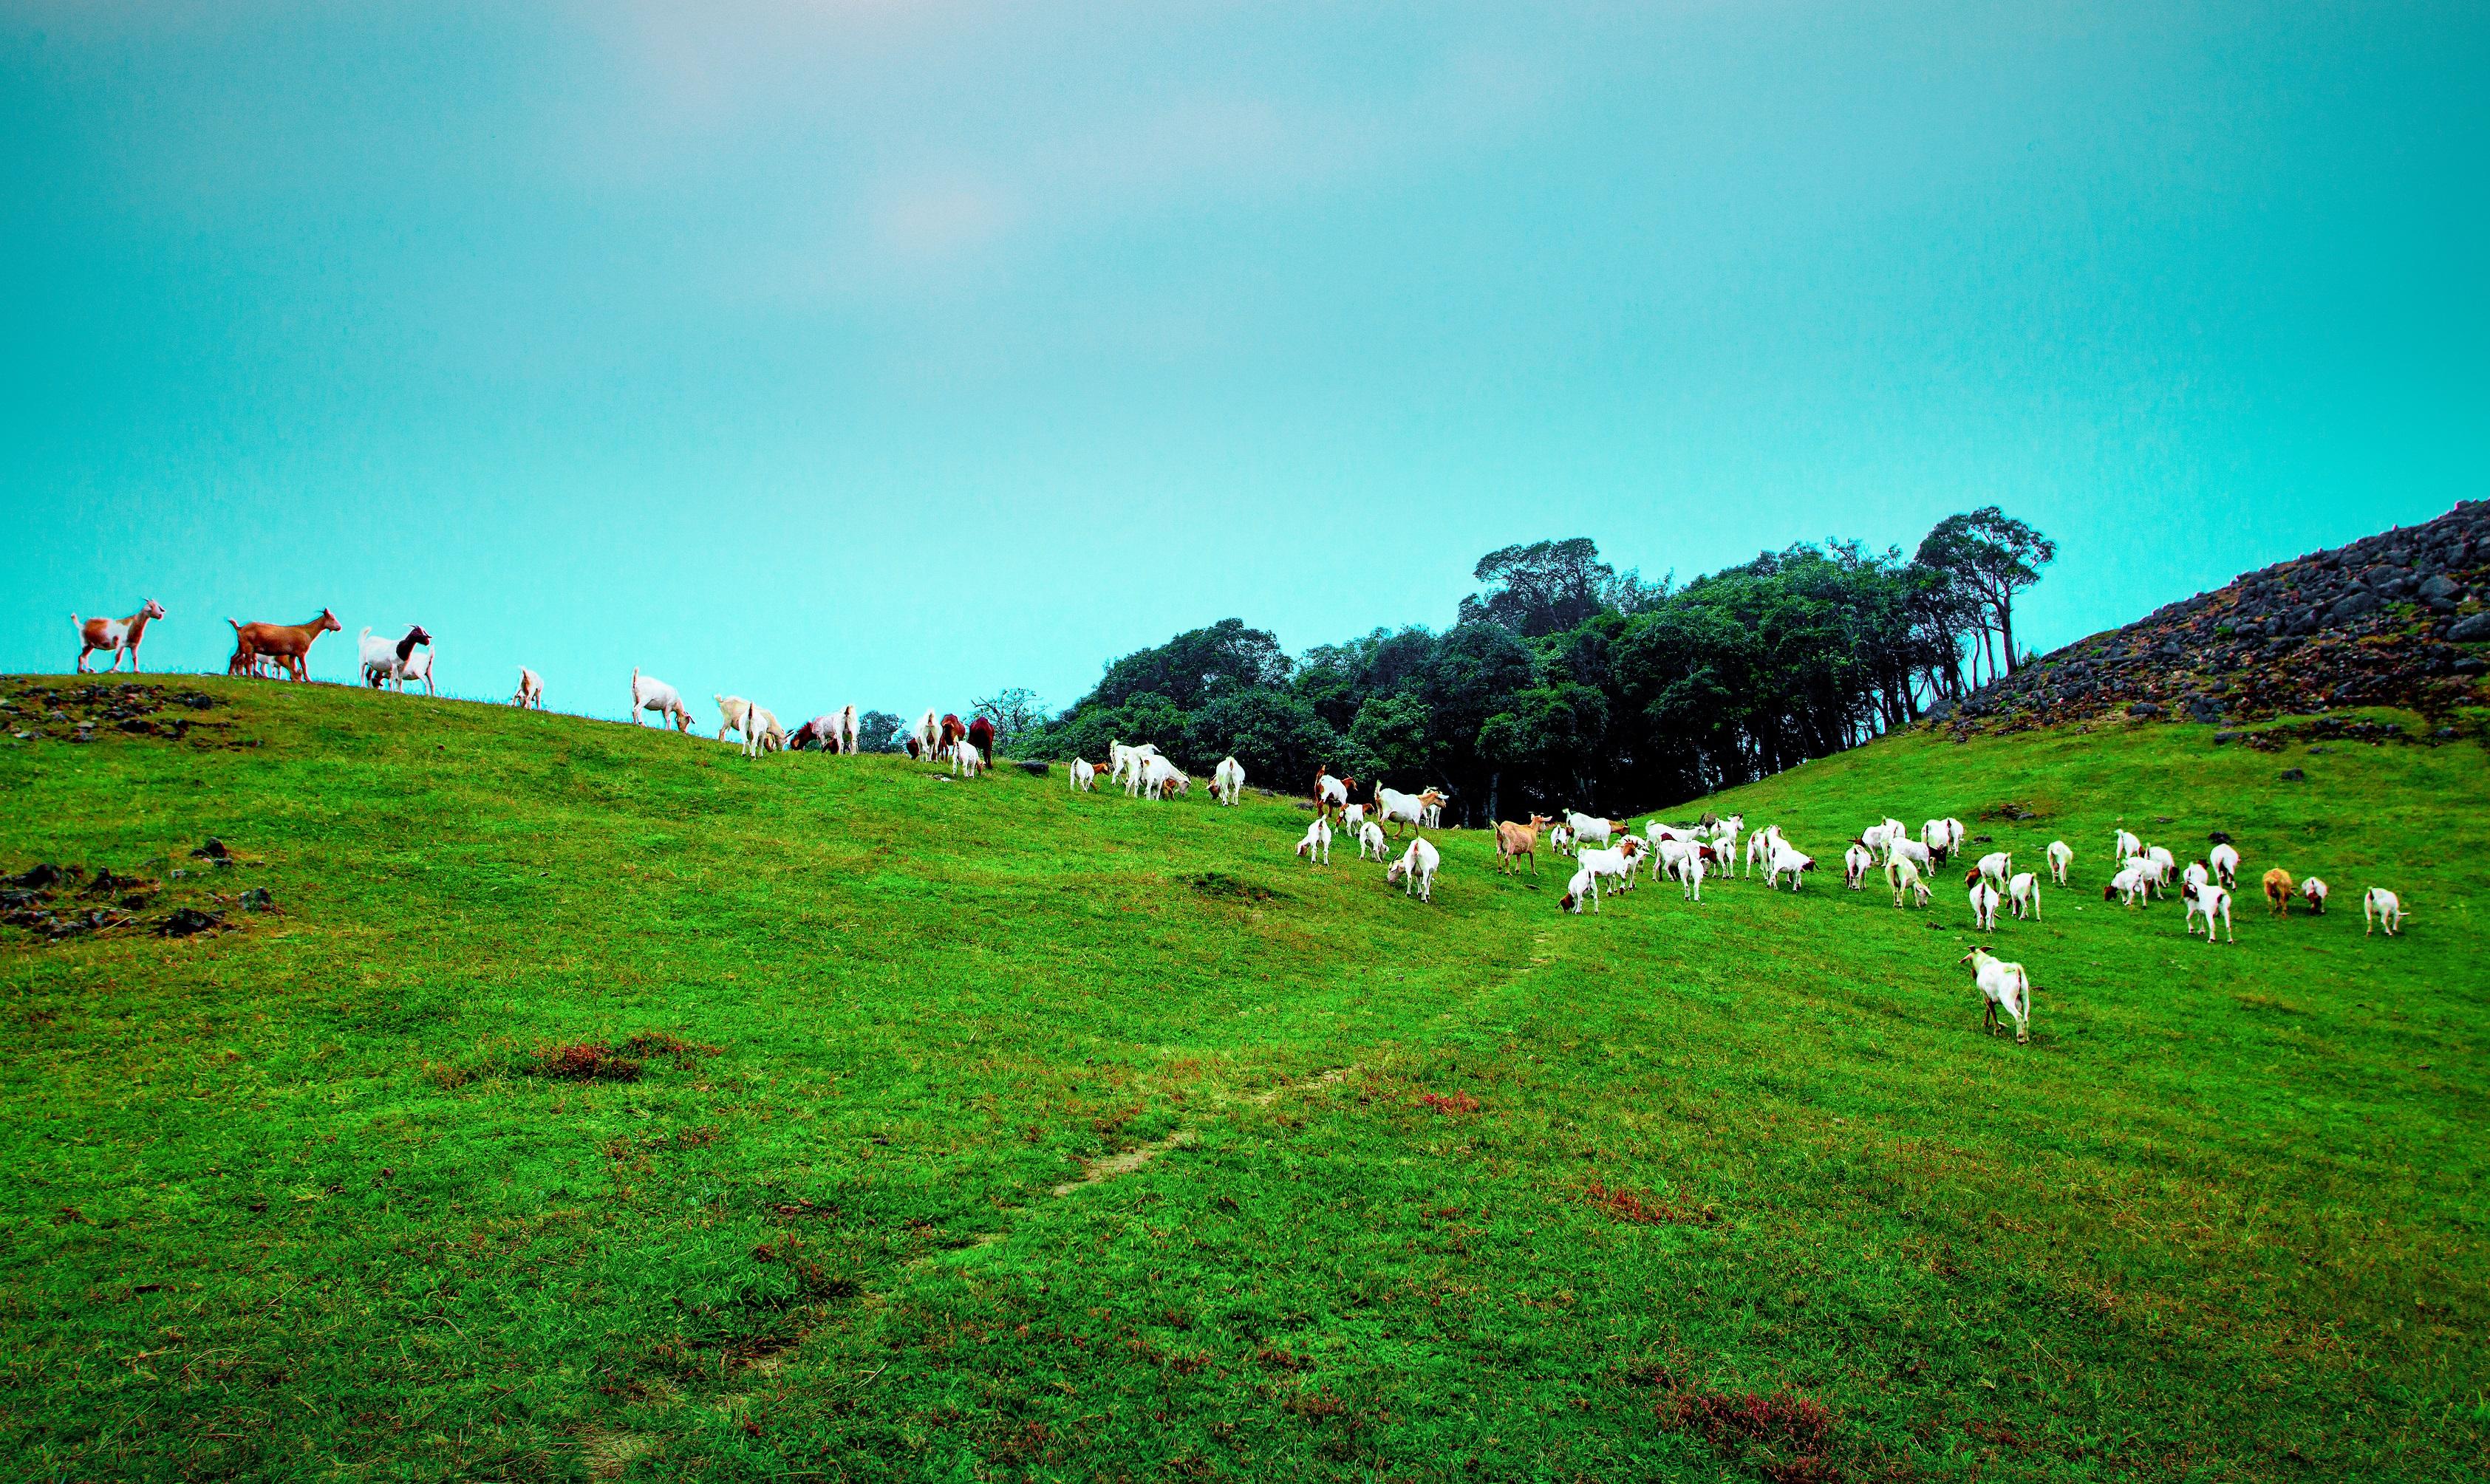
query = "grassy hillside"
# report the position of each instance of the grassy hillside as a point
(983, 1131)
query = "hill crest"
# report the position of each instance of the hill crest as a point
(2382, 621)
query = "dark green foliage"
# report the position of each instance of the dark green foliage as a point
(1568, 685)
(877, 732)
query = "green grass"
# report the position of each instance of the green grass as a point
(297, 1201)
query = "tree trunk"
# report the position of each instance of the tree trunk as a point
(2005, 627)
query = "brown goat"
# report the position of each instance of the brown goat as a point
(1514, 840)
(286, 643)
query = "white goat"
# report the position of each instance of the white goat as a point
(733, 711)
(2025, 892)
(1902, 848)
(1761, 844)
(2004, 987)
(2062, 856)
(1161, 779)
(1227, 780)
(1083, 776)
(1393, 808)
(2314, 891)
(1416, 868)
(2206, 900)
(1584, 885)
(530, 691)
(966, 760)
(1983, 907)
(1856, 862)
(1614, 862)
(1995, 866)
(1785, 859)
(651, 694)
(418, 667)
(1371, 843)
(1588, 830)
(1688, 869)
(2132, 883)
(2125, 844)
(1352, 817)
(2225, 862)
(1317, 843)
(1904, 879)
(2388, 908)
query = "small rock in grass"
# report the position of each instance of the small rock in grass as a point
(2294, 775)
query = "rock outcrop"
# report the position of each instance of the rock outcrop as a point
(2393, 619)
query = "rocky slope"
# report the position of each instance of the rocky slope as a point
(2393, 619)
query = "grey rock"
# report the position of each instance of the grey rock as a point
(2144, 708)
(2352, 605)
(2294, 776)
(2470, 631)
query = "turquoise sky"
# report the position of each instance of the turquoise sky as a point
(894, 353)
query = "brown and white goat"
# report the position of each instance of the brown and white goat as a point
(120, 636)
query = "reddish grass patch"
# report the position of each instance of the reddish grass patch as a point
(1450, 1102)
(1782, 1437)
(588, 1061)
(649, 1045)
(1625, 1204)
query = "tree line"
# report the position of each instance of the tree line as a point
(1564, 684)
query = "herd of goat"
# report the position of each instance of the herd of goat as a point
(1371, 815)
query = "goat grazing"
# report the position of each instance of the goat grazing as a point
(530, 691)
(2206, 900)
(1083, 776)
(2389, 908)
(2313, 892)
(1904, 879)
(2123, 845)
(117, 636)
(1856, 862)
(2225, 862)
(2025, 892)
(1415, 870)
(1371, 844)
(1584, 885)
(1316, 847)
(1688, 869)
(2131, 884)
(1984, 904)
(1785, 859)
(651, 694)
(2062, 856)
(1227, 780)
(1995, 866)
(2003, 986)
(2277, 891)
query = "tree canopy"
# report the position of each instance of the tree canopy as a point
(1564, 684)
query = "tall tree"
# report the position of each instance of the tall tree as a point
(1996, 556)
(1549, 586)
(1017, 714)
